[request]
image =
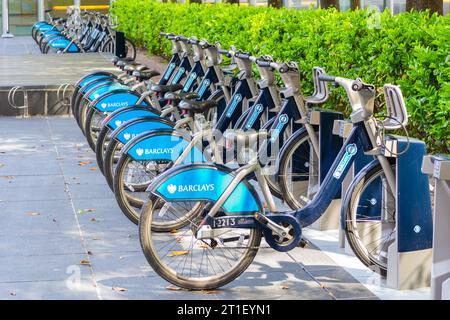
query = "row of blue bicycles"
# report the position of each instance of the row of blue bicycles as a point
(79, 32)
(205, 159)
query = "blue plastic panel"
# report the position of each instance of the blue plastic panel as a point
(164, 147)
(208, 183)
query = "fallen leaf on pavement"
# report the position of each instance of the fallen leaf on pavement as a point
(92, 219)
(173, 288)
(93, 168)
(209, 291)
(8, 177)
(85, 262)
(12, 293)
(96, 238)
(2, 165)
(83, 163)
(178, 253)
(119, 289)
(89, 253)
(33, 213)
(83, 211)
(285, 287)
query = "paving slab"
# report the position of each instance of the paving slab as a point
(82, 289)
(41, 253)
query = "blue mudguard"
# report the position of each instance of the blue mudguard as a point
(39, 23)
(162, 145)
(63, 43)
(121, 116)
(45, 27)
(118, 98)
(92, 77)
(133, 128)
(50, 34)
(194, 182)
(95, 90)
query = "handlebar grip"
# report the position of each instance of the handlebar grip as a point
(327, 78)
(242, 55)
(263, 63)
(182, 38)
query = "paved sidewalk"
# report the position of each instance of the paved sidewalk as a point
(62, 235)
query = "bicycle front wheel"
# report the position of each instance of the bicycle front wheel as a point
(371, 220)
(187, 261)
(297, 172)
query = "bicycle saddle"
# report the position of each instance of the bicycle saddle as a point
(245, 137)
(145, 74)
(116, 60)
(162, 89)
(134, 67)
(176, 97)
(193, 106)
(123, 63)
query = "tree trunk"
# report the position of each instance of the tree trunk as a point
(355, 4)
(433, 5)
(232, 1)
(329, 3)
(195, 1)
(274, 3)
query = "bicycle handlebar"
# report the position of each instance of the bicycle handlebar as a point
(326, 78)
(225, 52)
(357, 85)
(243, 55)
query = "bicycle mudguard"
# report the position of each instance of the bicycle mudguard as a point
(162, 145)
(352, 186)
(133, 128)
(96, 89)
(120, 116)
(45, 27)
(39, 23)
(51, 33)
(194, 182)
(115, 99)
(63, 43)
(92, 77)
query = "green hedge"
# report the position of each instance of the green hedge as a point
(409, 49)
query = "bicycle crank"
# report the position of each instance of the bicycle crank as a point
(282, 232)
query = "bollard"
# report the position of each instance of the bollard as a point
(5, 19)
(120, 48)
(438, 167)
